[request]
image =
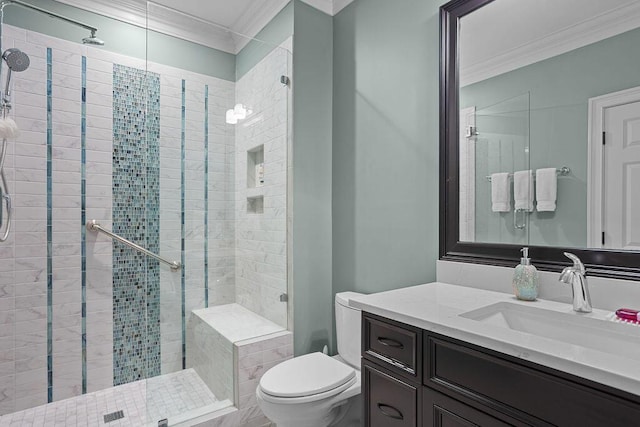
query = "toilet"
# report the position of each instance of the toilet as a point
(316, 390)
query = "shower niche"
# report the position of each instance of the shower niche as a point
(255, 167)
(255, 180)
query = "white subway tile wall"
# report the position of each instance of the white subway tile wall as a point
(261, 238)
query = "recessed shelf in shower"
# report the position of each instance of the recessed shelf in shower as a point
(255, 205)
(255, 167)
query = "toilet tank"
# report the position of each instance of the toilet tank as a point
(348, 328)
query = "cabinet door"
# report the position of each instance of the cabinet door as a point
(389, 401)
(442, 411)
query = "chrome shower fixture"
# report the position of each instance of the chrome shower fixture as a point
(16, 61)
(92, 39)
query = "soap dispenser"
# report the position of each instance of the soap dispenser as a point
(525, 278)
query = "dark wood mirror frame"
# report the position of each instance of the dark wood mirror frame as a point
(605, 263)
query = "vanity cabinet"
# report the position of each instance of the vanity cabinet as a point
(413, 377)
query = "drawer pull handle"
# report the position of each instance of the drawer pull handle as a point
(390, 411)
(390, 342)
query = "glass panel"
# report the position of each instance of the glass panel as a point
(222, 207)
(501, 145)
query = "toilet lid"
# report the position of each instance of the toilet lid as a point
(305, 376)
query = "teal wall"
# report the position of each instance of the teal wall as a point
(560, 88)
(385, 145)
(273, 34)
(312, 183)
(124, 38)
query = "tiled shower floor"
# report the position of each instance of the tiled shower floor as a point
(171, 396)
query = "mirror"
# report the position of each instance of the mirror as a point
(540, 131)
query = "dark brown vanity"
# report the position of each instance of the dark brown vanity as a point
(414, 377)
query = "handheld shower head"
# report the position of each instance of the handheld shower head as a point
(16, 59)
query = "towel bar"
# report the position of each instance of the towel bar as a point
(563, 171)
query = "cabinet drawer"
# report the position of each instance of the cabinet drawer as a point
(442, 411)
(525, 392)
(390, 402)
(394, 343)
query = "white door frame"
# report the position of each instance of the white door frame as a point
(595, 162)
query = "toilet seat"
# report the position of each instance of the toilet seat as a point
(307, 378)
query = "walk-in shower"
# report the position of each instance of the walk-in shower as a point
(145, 276)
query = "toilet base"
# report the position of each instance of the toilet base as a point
(353, 415)
(332, 413)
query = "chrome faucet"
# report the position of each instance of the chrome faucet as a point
(575, 276)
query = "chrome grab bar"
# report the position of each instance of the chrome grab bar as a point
(95, 227)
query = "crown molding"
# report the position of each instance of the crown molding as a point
(254, 19)
(188, 27)
(129, 11)
(161, 19)
(590, 31)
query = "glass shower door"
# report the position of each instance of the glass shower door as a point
(502, 145)
(221, 132)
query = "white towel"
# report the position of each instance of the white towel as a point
(523, 190)
(500, 194)
(546, 189)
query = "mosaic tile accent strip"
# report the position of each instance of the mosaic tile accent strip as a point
(183, 141)
(83, 220)
(154, 360)
(206, 195)
(136, 216)
(49, 225)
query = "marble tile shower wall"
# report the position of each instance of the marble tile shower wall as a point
(261, 257)
(37, 365)
(41, 310)
(218, 206)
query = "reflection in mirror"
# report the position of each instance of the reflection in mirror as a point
(537, 91)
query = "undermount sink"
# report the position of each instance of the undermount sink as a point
(573, 328)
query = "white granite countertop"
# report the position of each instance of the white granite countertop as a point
(437, 307)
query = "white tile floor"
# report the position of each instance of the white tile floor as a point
(171, 396)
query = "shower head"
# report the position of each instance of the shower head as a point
(16, 59)
(93, 40)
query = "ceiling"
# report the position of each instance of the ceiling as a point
(226, 25)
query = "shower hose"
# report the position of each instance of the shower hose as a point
(4, 189)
